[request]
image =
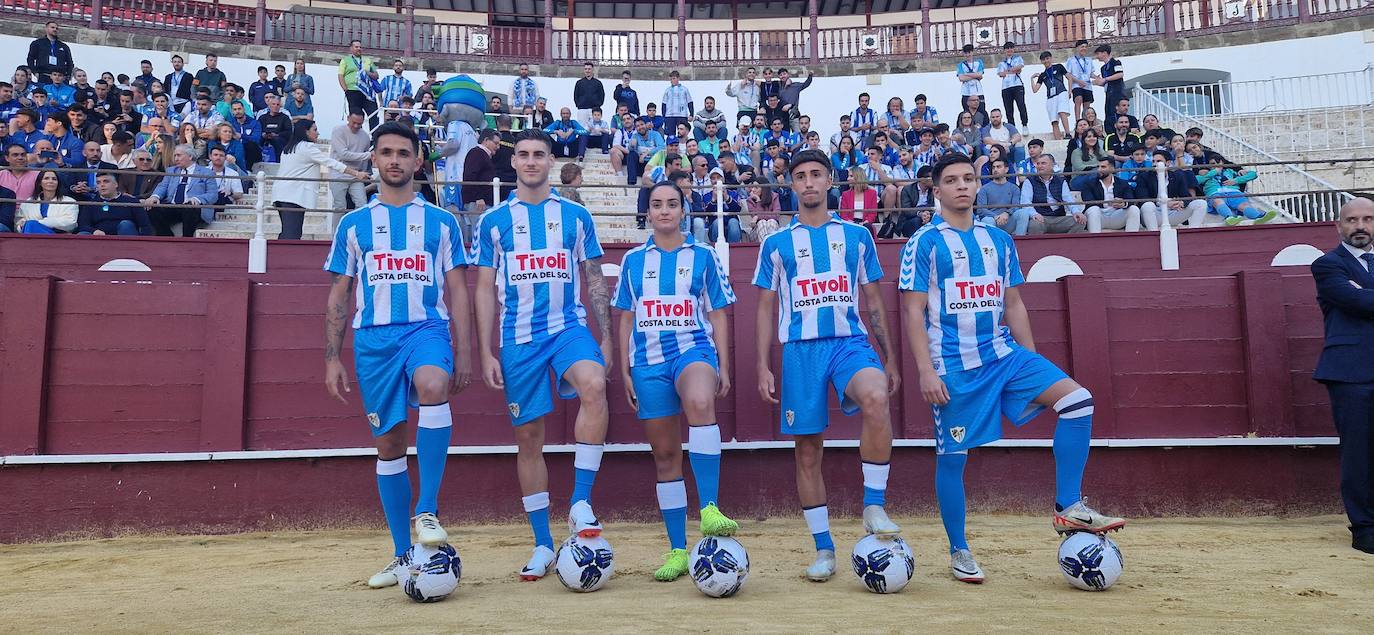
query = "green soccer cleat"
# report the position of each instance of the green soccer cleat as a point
(674, 566)
(714, 523)
(1268, 216)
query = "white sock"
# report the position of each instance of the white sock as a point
(436, 416)
(704, 440)
(535, 502)
(875, 475)
(587, 456)
(672, 495)
(817, 519)
(394, 466)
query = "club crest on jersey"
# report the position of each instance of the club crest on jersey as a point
(836, 247)
(415, 229)
(551, 226)
(682, 271)
(791, 417)
(514, 409)
(373, 419)
(987, 251)
(957, 433)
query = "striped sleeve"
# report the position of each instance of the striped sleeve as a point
(342, 256)
(589, 246)
(451, 252)
(483, 253)
(915, 267)
(765, 272)
(624, 295)
(870, 270)
(719, 294)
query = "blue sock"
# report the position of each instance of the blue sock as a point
(586, 462)
(875, 483)
(672, 503)
(818, 521)
(703, 451)
(431, 447)
(393, 484)
(537, 509)
(949, 491)
(1072, 438)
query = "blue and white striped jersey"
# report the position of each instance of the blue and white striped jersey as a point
(399, 256)
(966, 274)
(670, 293)
(536, 250)
(817, 272)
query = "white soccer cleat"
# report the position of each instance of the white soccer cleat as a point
(1080, 517)
(582, 521)
(877, 523)
(386, 577)
(540, 562)
(823, 567)
(965, 568)
(428, 531)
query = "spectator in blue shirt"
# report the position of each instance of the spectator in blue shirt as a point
(60, 93)
(249, 132)
(299, 106)
(41, 104)
(569, 137)
(626, 96)
(257, 91)
(68, 146)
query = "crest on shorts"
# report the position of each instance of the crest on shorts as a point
(514, 409)
(791, 417)
(957, 433)
(373, 419)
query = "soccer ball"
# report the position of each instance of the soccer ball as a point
(430, 574)
(719, 566)
(1090, 562)
(883, 563)
(584, 564)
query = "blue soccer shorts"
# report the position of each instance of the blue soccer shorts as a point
(526, 367)
(656, 384)
(386, 358)
(807, 366)
(979, 398)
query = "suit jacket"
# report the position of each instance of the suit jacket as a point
(84, 177)
(1093, 193)
(183, 90)
(200, 189)
(1345, 292)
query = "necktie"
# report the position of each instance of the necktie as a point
(43, 210)
(1368, 259)
(90, 177)
(180, 196)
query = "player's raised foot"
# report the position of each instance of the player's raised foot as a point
(1080, 517)
(386, 577)
(582, 521)
(1268, 216)
(538, 566)
(965, 568)
(428, 531)
(823, 567)
(715, 523)
(674, 565)
(876, 522)
(1234, 220)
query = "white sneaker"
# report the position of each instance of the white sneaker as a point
(386, 577)
(538, 566)
(1080, 517)
(823, 567)
(582, 521)
(876, 522)
(428, 531)
(965, 568)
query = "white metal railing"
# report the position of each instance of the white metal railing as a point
(1280, 94)
(1322, 200)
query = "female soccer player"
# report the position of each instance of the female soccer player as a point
(675, 356)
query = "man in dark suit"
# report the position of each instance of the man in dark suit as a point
(1345, 291)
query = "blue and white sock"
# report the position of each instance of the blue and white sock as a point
(431, 449)
(537, 510)
(1072, 439)
(818, 521)
(949, 493)
(875, 483)
(393, 484)
(672, 503)
(586, 462)
(703, 451)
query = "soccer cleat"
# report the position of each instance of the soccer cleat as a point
(674, 565)
(965, 568)
(386, 577)
(582, 521)
(876, 522)
(823, 567)
(1234, 220)
(428, 531)
(1080, 517)
(1268, 216)
(538, 566)
(714, 523)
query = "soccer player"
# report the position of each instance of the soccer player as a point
(977, 359)
(813, 269)
(675, 359)
(532, 252)
(404, 259)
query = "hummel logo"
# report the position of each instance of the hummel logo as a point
(650, 275)
(959, 254)
(521, 229)
(380, 229)
(803, 253)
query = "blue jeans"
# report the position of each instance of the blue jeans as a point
(125, 228)
(700, 133)
(1020, 221)
(5, 229)
(732, 229)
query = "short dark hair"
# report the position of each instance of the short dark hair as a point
(669, 182)
(1080, 43)
(1104, 48)
(262, 68)
(865, 95)
(968, 48)
(122, 136)
(488, 133)
(357, 111)
(1036, 142)
(596, 108)
(396, 129)
(61, 117)
(949, 159)
(1009, 45)
(809, 156)
(1044, 55)
(921, 97)
(533, 134)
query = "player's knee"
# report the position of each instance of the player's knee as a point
(391, 445)
(698, 404)
(808, 457)
(591, 387)
(871, 398)
(431, 388)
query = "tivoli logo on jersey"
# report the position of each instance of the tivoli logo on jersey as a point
(973, 295)
(675, 313)
(822, 290)
(399, 267)
(532, 267)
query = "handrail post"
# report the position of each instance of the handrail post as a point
(548, 33)
(1170, 29)
(495, 192)
(925, 27)
(97, 7)
(408, 49)
(722, 245)
(682, 32)
(257, 246)
(1304, 10)
(815, 44)
(1168, 236)
(259, 22)
(1042, 14)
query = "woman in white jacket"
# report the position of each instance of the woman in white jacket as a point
(302, 159)
(50, 212)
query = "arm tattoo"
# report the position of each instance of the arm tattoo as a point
(876, 326)
(336, 320)
(598, 295)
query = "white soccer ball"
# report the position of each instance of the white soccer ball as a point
(1089, 561)
(720, 566)
(584, 564)
(430, 574)
(884, 564)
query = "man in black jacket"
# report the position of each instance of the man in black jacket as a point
(588, 93)
(1179, 186)
(48, 54)
(117, 215)
(1345, 292)
(1106, 199)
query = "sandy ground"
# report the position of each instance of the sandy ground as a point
(1260, 575)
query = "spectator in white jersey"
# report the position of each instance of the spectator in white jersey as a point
(1013, 88)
